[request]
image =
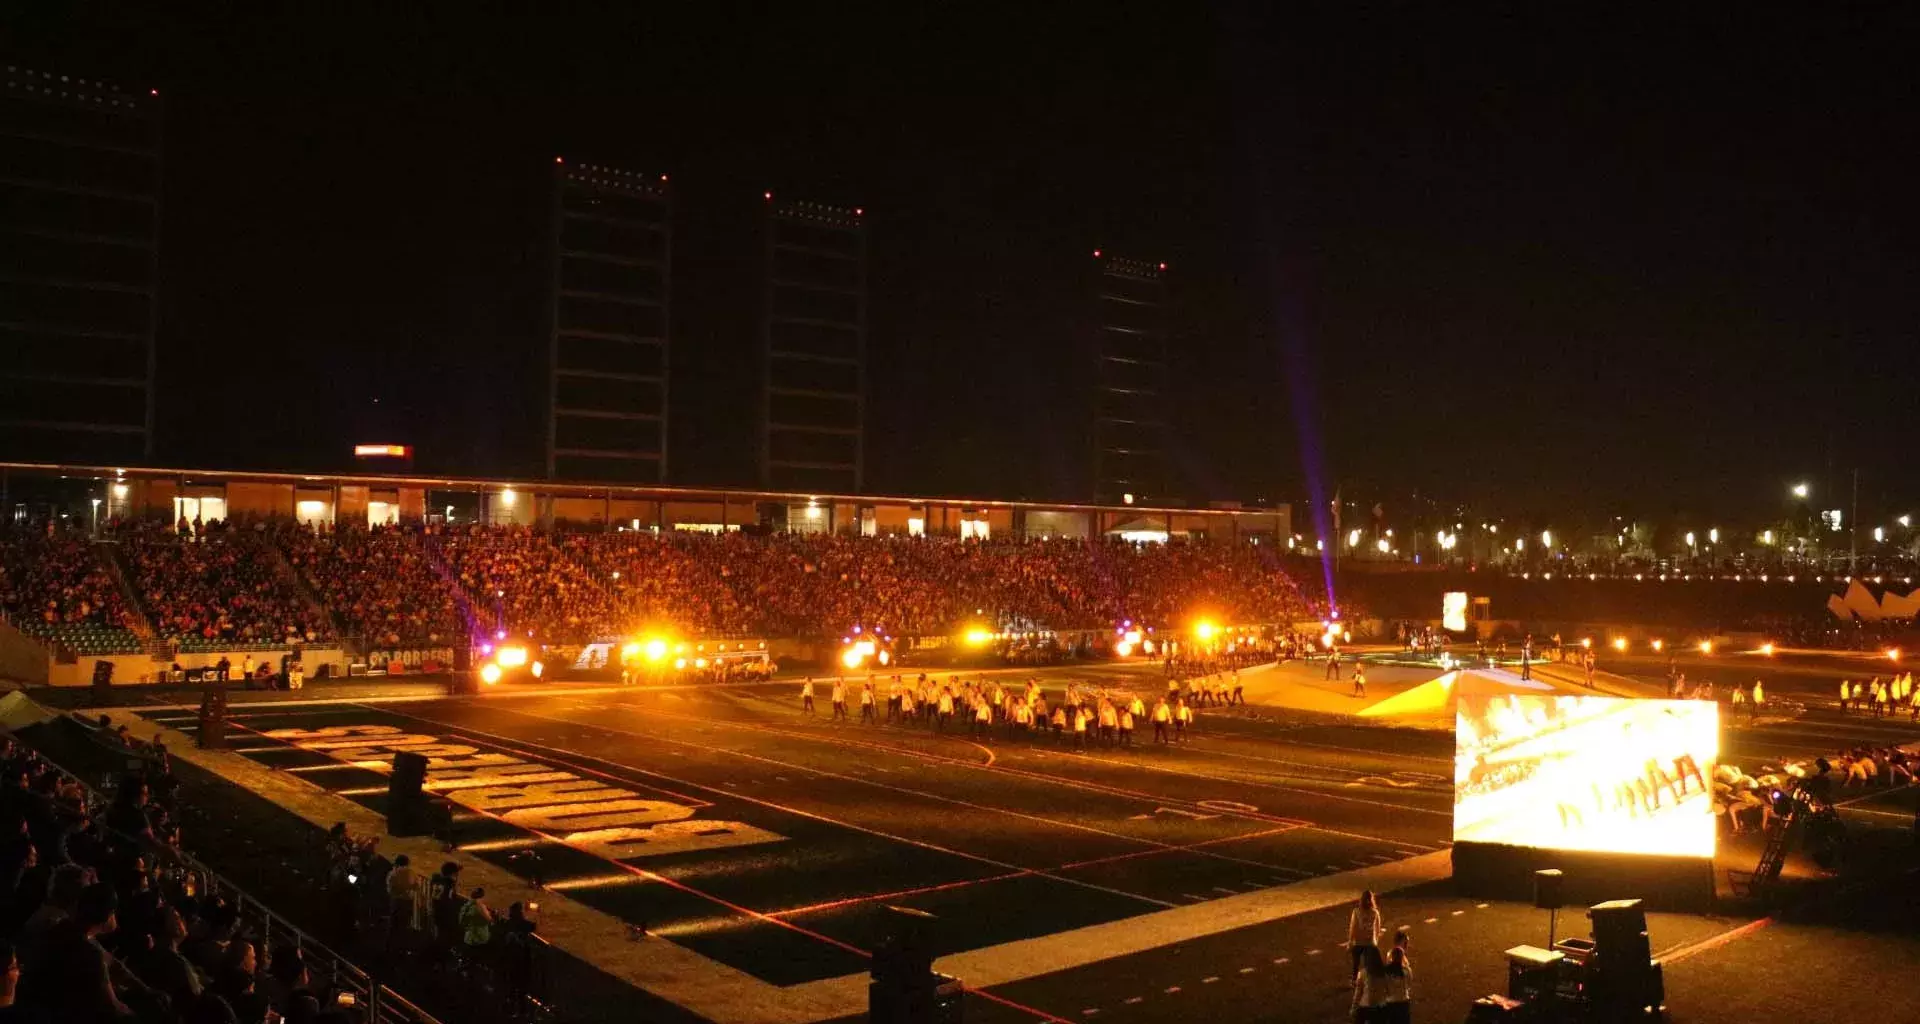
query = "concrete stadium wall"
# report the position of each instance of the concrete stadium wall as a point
(142, 668)
(22, 659)
(1050, 523)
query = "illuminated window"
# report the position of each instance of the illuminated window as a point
(916, 527)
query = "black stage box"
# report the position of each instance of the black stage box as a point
(1498, 871)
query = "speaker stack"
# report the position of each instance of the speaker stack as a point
(1626, 979)
(409, 810)
(464, 681)
(905, 989)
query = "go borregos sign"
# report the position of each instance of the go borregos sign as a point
(586, 814)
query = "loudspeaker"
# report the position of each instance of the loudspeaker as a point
(1620, 934)
(409, 774)
(1548, 884)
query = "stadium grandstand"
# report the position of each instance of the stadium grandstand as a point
(196, 565)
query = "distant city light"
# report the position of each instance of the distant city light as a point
(1800, 490)
(1706, 647)
(1766, 537)
(1879, 534)
(1353, 538)
(1690, 538)
(1382, 545)
(1713, 535)
(1905, 521)
(1619, 643)
(1546, 538)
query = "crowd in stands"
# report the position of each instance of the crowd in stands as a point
(818, 586)
(581, 587)
(380, 583)
(222, 583)
(50, 578)
(99, 924)
(523, 580)
(216, 583)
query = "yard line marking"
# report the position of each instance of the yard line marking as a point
(1333, 867)
(1380, 858)
(1313, 952)
(1171, 848)
(1408, 853)
(1480, 906)
(902, 894)
(1430, 920)
(1246, 970)
(1197, 899)
(1281, 960)
(923, 794)
(1130, 1000)
(1457, 913)
(1171, 989)
(1089, 1011)
(1230, 892)
(1042, 776)
(561, 756)
(1209, 981)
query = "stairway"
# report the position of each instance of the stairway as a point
(1773, 856)
(278, 559)
(108, 554)
(431, 545)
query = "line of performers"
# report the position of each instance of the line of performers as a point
(1083, 716)
(1880, 699)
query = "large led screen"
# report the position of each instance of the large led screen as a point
(1585, 773)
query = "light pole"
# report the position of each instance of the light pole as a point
(94, 526)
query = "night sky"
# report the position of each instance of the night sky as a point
(1524, 264)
